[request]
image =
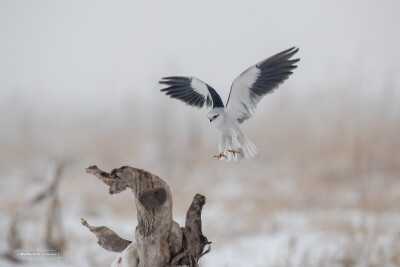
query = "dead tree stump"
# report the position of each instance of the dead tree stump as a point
(160, 241)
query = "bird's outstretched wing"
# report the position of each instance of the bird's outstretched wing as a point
(192, 91)
(258, 80)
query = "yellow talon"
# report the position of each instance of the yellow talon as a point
(221, 155)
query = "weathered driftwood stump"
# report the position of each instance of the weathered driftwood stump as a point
(160, 241)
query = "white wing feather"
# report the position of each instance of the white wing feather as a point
(241, 104)
(199, 86)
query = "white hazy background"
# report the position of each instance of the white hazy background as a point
(79, 82)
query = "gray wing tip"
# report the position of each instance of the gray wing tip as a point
(175, 78)
(288, 52)
(280, 57)
(163, 80)
(293, 50)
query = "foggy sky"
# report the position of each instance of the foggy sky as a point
(68, 58)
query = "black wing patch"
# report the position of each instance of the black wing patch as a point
(216, 99)
(181, 88)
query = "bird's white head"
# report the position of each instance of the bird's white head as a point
(216, 115)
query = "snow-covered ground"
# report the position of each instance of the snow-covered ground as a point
(257, 220)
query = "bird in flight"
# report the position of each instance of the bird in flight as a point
(246, 91)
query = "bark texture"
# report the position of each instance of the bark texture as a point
(160, 241)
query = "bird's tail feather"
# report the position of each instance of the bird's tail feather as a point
(247, 150)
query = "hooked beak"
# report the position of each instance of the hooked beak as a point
(210, 120)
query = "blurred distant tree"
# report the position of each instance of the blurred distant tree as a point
(48, 198)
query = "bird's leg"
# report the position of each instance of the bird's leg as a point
(235, 143)
(221, 155)
(234, 151)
